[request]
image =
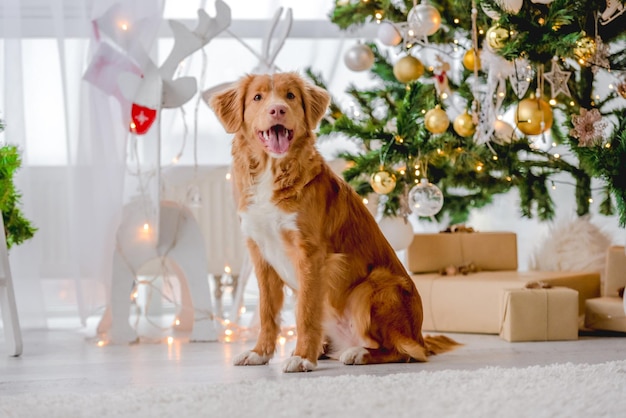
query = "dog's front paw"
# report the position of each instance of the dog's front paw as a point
(354, 355)
(298, 364)
(250, 358)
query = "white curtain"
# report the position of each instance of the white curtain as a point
(73, 146)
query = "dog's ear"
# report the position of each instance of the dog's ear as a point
(315, 104)
(228, 106)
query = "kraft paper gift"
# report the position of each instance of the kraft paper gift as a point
(606, 313)
(615, 271)
(488, 251)
(539, 314)
(472, 303)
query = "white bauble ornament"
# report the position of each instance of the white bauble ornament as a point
(424, 19)
(425, 199)
(388, 34)
(398, 232)
(491, 13)
(359, 58)
(503, 132)
(510, 6)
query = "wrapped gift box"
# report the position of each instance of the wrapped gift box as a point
(539, 314)
(472, 303)
(488, 251)
(606, 313)
(615, 276)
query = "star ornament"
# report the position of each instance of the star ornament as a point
(558, 80)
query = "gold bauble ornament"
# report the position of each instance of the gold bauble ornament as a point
(496, 37)
(585, 49)
(471, 59)
(408, 69)
(436, 120)
(531, 113)
(383, 182)
(464, 125)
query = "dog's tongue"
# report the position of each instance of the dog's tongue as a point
(278, 141)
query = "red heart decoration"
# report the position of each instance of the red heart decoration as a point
(142, 119)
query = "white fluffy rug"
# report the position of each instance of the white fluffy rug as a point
(565, 390)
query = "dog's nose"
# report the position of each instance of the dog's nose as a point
(278, 110)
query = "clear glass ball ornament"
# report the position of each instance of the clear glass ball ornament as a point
(425, 199)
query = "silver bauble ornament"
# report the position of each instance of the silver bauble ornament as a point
(424, 19)
(359, 58)
(425, 199)
(388, 34)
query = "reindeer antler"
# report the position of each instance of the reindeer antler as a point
(187, 42)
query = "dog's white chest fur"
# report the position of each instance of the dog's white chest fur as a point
(264, 222)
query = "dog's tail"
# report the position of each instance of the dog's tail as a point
(433, 344)
(437, 344)
(412, 349)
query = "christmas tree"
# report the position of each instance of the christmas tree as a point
(544, 63)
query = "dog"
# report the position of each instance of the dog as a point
(306, 228)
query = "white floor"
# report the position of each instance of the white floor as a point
(65, 360)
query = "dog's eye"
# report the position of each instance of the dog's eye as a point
(257, 97)
(291, 96)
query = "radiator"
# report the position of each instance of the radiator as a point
(208, 193)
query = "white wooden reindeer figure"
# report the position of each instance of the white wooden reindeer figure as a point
(175, 238)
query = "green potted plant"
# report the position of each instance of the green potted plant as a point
(17, 228)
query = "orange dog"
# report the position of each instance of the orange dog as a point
(307, 229)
